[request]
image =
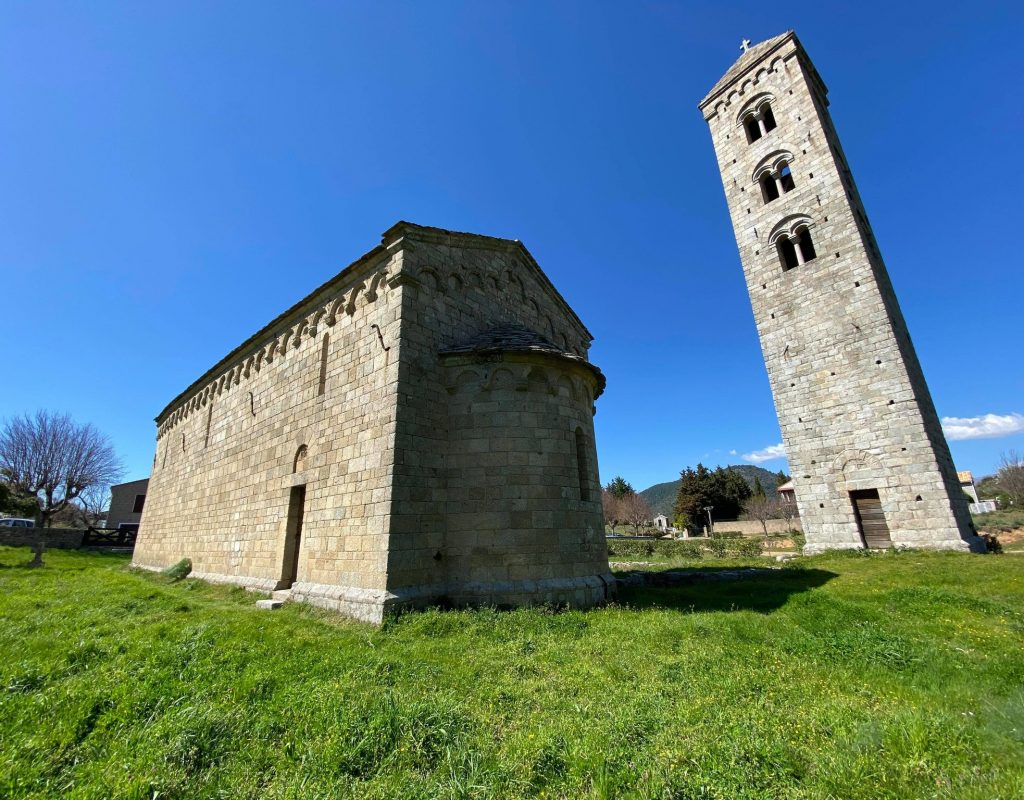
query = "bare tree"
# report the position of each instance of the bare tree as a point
(761, 509)
(611, 505)
(1010, 477)
(95, 502)
(635, 511)
(54, 459)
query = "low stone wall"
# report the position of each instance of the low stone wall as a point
(59, 538)
(753, 527)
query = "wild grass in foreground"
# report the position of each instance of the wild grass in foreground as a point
(883, 676)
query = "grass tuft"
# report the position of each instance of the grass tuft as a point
(178, 572)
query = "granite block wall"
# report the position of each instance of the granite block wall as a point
(852, 401)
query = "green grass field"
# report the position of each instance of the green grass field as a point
(883, 676)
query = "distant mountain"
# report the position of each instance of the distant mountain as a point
(662, 496)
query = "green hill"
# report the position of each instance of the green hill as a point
(662, 496)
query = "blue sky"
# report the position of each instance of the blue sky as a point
(173, 175)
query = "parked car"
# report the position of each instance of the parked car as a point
(14, 522)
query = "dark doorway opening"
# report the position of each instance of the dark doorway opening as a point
(874, 531)
(293, 536)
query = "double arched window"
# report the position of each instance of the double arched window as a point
(792, 240)
(757, 117)
(774, 175)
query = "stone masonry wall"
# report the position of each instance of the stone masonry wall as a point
(853, 406)
(57, 538)
(449, 292)
(522, 486)
(229, 451)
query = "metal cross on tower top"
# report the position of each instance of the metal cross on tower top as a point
(745, 44)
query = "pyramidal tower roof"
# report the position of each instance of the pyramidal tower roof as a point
(751, 56)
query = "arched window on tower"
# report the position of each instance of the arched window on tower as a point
(792, 240)
(775, 180)
(796, 250)
(759, 119)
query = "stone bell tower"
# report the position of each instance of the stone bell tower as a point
(870, 464)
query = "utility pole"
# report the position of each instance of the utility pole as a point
(711, 525)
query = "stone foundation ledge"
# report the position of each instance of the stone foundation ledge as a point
(365, 605)
(372, 605)
(245, 581)
(972, 545)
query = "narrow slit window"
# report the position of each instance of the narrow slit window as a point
(581, 464)
(209, 421)
(323, 365)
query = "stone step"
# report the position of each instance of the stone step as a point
(281, 594)
(269, 605)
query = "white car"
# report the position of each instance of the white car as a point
(13, 522)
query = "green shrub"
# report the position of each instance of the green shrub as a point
(746, 548)
(179, 571)
(798, 539)
(644, 548)
(727, 535)
(717, 547)
(687, 550)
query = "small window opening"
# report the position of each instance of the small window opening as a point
(753, 129)
(806, 245)
(786, 178)
(768, 117)
(323, 365)
(787, 252)
(140, 501)
(769, 188)
(209, 421)
(581, 464)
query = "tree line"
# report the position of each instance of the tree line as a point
(704, 495)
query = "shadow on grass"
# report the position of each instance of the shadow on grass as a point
(762, 592)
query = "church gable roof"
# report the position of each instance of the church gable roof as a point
(504, 338)
(750, 58)
(442, 236)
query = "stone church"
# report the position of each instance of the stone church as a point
(417, 430)
(870, 463)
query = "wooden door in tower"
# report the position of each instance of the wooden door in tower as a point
(874, 531)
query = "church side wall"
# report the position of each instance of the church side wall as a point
(227, 458)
